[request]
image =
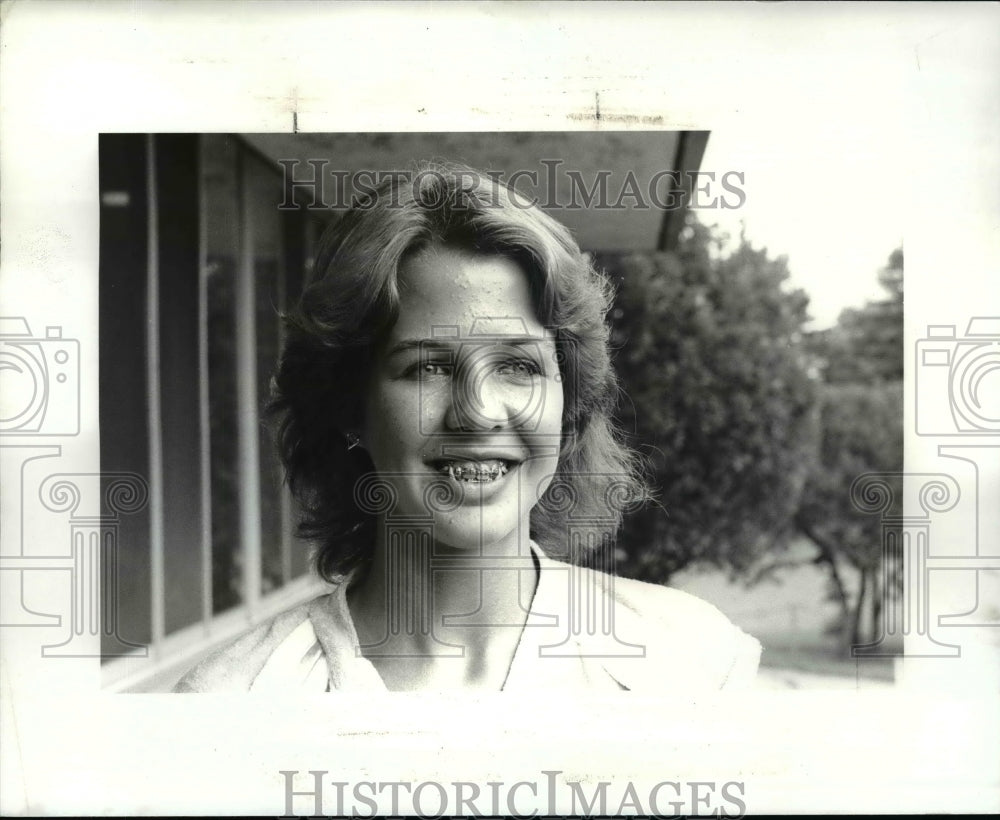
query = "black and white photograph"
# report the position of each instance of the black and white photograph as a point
(490, 409)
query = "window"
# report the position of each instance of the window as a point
(197, 263)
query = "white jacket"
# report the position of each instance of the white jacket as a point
(633, 636)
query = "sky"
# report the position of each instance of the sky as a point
(831, 202)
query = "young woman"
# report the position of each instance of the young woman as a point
(445, 402)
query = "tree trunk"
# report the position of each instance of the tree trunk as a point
(877, 593)
(858, 609)
(827, 556)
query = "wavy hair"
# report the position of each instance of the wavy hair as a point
(350, 303)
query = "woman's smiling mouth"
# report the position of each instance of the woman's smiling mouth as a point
(473, 471)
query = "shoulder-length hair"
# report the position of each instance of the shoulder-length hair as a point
(350, 303)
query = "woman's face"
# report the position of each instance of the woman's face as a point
(464, 411)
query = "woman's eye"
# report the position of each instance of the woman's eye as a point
(423, 369)
(519, 367)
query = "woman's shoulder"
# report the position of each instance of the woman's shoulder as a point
(689, 643)
(236, 666)
(687, 638)
(672, 606)
(684, 642)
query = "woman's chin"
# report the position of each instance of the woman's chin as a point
(469, 517)
(478, 536)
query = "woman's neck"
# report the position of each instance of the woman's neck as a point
(429, 615)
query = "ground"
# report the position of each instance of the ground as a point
(790, 612)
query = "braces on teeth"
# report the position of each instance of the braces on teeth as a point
(475, 474)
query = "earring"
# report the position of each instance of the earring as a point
(353, 441)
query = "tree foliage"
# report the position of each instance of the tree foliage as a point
(866, 345)
(754, 430)
(861, 425)
(718, 399)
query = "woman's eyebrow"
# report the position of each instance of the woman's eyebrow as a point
(405, 345)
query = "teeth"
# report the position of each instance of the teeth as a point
(475, 471)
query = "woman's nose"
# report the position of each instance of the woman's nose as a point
(479, 402)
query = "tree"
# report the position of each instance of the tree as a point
(718, 400)
(862, 432)
(866, 345)
(861, 360)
